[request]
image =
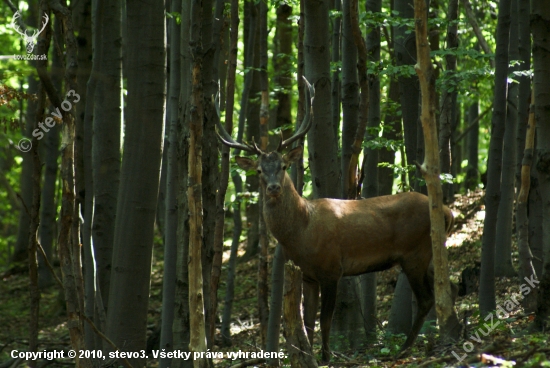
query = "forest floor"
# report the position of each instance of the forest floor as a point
(483, 343)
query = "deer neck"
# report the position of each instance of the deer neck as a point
(286, 216)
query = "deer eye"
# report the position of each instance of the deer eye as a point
(258, 171)
(284, 167)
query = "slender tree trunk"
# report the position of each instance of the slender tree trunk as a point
(237, 222)
(392, 131)
(526, 269)
(472, 172)
(448, 322)
(219, 32)
(171, 215)
(34, 293)
(106, 141)
(180, 327)
(448, 105)
(21, 244)
(301, 354)
(250, 111)
(409, 92)
(503, 239)
(211, 38)
(322, 143)
(524, 91)
(370, 188)
(48, 209)
(540, 18)
(346, 322)
(494, 163)
(336, 44)
(263, 289)
(197, 342)
(137, 201)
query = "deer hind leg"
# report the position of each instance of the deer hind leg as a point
(328, 302)
(311, 301)
(421, 282)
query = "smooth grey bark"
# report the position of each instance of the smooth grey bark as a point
(230, 283)
(324, 163)
(401, 316)
(540, 18)
(275, 303)
(370, 187)
(392, 131)
(346, 322)
(171, 214)
(472, 172)
(180, 327)
(494, 163)
(350, 95)
(235, 176)
(106, 142)
(282, 80)
(535, 217)
(336, 45)
(448, 104)
(50, 150)
(92, 297)
(250, 110)
(211, 26)
(524, 92)
(137, 201)
(409, 89)
(22, 241)
(503, 240)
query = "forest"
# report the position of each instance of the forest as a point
(271, 183)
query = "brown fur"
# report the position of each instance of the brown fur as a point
(331, 238)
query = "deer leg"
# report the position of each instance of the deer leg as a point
(328, 302)
(422, 287)
(311, 301)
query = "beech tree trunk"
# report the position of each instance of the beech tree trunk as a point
(448, 322)
(180, 326)
(526, 268)
(171, 209)
(494, 163)
(503, 239)
(299, 350)
(540, 18)
(137, 201)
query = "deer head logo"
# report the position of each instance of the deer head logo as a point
(30, 40)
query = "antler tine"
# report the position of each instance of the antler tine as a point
(306, 123)
(226, 138)
(16, 26)
(44, 23)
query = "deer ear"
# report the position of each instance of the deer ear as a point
(246, 163)
(294, 154)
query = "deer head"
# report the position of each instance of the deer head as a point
(30, 40)
(271, 166)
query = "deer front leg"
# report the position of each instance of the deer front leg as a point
(328, 302)
(311, 300)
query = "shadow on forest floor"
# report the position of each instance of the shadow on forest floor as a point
(464, 252)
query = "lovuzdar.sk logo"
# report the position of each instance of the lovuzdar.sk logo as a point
(31, 39)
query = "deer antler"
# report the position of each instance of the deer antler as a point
(226, 138)
(36, 33)
(15, 26)
(306, 123)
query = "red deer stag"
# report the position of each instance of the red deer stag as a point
(331, 238)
